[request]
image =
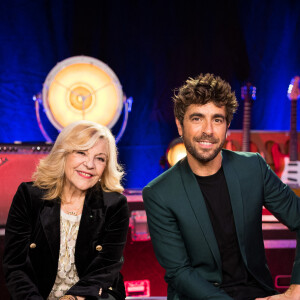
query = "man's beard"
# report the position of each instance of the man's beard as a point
(201, 157)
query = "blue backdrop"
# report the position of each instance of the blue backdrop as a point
(152, 46)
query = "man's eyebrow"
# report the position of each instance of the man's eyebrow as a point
(202, 115)
(196, 115)
(219, 116)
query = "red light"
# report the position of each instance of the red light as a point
(137, 288)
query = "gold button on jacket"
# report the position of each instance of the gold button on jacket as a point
(32, 245)
(98, 247)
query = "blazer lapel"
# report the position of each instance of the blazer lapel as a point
(236, 201)
(50, 220)
(198, 205)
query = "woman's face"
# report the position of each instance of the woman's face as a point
(84, 168)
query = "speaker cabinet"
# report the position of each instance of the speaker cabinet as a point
(17, 164)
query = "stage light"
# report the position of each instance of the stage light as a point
(79, 88)
(82, 88)
(175, 152)
(137, 288)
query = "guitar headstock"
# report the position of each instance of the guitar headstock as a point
(293, 90)
(248, 92)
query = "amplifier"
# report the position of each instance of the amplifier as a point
(17, 164)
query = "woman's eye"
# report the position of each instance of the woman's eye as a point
(101, 159)
(80, 152)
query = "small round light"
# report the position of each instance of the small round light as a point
(176, 151)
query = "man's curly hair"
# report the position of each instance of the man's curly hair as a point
(201, 90)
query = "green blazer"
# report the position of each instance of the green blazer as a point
(182, 234)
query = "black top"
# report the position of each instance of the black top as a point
(237, 281)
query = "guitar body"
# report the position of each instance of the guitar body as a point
(288, 170)
(234, 146)
(287, 167)
(278, 159)
(231, 145)
(253, 147)
(291, 172)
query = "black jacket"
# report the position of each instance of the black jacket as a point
(32, 241)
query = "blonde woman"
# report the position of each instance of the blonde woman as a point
(67, 229)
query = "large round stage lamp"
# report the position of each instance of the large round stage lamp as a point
(175, 152)
(82, 88)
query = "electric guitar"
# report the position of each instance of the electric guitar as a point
(287, 167)
(248, 94)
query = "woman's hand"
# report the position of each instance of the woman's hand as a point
(71, 297)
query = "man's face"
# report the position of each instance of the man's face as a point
(203, 131)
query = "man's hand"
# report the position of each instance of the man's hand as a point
(292, 293)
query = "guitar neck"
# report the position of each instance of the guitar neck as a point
(293, 132)
(248, 94)
(246, 125)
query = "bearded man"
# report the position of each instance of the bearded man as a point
(205, 213)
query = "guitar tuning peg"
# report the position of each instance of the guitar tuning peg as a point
(253, 94)
(293, 92)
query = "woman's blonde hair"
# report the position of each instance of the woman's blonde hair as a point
(81, 135)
